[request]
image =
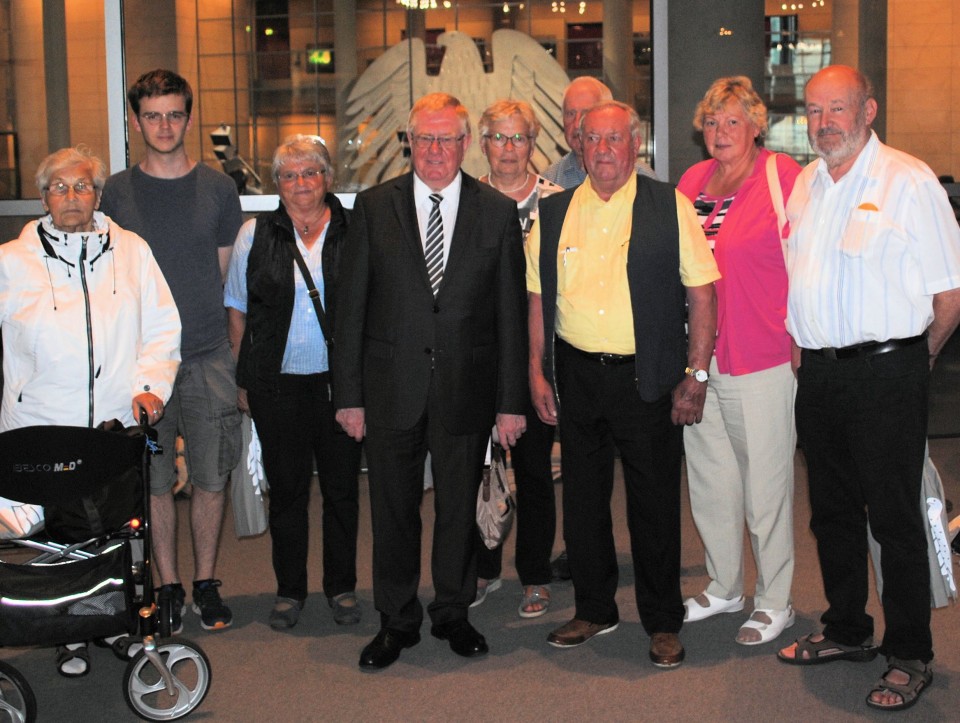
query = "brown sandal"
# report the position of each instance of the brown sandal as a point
(827, 651)
(919, 674)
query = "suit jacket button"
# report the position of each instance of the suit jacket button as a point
(436, 309)
(428, 350)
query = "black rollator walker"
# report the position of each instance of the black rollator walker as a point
(92, 577)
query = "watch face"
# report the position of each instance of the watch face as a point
(701, 375)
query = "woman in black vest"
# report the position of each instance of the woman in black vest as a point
(281, 330)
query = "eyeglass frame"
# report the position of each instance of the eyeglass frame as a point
(173, 117)
(87, 188)
(492, 138)
(307, 175)
(446, 143)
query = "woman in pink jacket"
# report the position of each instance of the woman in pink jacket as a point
(740, 458)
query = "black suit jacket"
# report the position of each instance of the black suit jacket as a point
(391, 334)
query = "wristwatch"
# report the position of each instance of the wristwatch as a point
(699, 374)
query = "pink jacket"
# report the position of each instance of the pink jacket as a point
(752, 295)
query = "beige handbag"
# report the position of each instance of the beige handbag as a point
(495, 503)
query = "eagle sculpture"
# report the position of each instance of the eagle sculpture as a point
(372, 142)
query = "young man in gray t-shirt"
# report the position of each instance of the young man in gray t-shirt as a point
(189, 214)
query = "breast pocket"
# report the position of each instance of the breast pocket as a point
(870, 234)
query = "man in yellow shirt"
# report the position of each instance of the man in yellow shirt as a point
(609, 265)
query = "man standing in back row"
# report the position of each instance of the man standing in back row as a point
(189, 214)
(582, 93)
(874, 267)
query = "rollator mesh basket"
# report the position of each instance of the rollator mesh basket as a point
(69, 601)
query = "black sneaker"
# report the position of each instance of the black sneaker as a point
(177, 597)
(214, 615)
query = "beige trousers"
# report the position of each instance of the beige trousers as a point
(740, 469)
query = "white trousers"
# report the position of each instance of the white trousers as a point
(740, 468)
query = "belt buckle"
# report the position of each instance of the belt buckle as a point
(829, 352)
(606, 358)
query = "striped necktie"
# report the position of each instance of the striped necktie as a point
(433, 251)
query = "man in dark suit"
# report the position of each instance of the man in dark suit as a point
(431, 349)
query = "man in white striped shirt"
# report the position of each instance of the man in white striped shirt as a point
(874, 265)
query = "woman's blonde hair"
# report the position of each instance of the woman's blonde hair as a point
(734, 87)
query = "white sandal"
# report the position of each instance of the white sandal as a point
(780, 620)
(539, 595)
(694, 610)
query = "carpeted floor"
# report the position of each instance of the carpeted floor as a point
(311, 674)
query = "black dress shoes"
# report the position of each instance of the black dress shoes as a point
(384, 649)
(463, 638)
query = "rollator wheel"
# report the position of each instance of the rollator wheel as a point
(17, 702)
(144, 688)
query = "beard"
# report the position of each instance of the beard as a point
(836, 146)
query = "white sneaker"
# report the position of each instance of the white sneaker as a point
(695, 610)
(780, 620)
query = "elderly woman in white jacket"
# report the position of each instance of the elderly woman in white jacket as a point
(90, 330)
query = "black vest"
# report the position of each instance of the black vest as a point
(653, 275)
(270, 292)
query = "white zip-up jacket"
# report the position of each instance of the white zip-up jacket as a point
(88, 323)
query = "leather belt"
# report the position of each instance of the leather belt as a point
(870, 348)
(600, 356)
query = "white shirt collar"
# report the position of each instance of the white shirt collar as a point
(421, 191)
(859, 168)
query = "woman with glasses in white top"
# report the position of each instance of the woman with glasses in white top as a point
(91, 333)
(508, 135)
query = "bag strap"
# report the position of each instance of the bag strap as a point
(314, 294)
(776, 196)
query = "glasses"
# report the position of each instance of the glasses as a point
(613, 139)
(517, 140)
(309, 175)
(80, 188)
(173, 117)
(447, 143)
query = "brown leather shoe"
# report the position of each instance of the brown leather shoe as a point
(666, 650)
(577, 632)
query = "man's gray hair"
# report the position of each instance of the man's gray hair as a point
(636, 125)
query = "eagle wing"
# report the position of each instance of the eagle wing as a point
(380, 101)
(377, 107)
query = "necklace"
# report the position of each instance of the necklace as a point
(526, 177)
(305, 227)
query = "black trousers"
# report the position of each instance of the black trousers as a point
(296, 428)
(863, 426)
(601, 411)
(536, 507)
(395, 459)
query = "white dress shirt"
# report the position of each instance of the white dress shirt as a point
(448, 210)
(867, 253)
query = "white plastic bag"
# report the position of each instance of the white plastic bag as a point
(247, 484)
(19, 520)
